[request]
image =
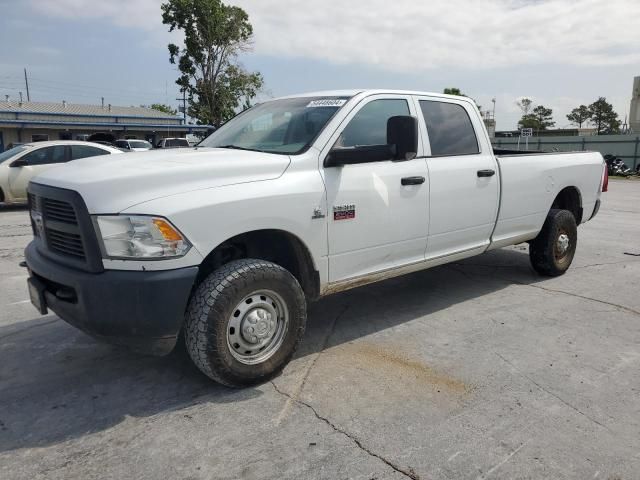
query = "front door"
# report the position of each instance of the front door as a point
(37, 161)
(464, 177)
(374, 221)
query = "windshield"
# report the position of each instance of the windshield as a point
(12, 152)
(139, 144)
(286, 126)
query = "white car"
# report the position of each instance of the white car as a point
(300, 197)
(20, 164)
(173, 143)
(133, 145)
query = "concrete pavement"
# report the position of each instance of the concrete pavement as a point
(475, 370)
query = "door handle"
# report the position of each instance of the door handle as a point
(486, 173)
(412, 180)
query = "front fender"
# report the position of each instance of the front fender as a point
(211, 216)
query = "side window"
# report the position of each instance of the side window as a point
(122, 144)
(84, 151)
(44, 156)
(449, 128)
(369, 125)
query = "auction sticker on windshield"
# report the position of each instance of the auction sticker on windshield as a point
(327, 102)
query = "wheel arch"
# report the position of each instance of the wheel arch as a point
(275, 245)
(569, 198)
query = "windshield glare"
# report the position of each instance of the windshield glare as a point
(12, 152)
(286, 126)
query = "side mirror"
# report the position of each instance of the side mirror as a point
(18, 163)
(402, 132)
(339, 156)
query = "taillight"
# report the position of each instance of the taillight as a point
(605, 179)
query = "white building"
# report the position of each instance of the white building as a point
(22, 122)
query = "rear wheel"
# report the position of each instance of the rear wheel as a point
(244, 322)
(552, 251)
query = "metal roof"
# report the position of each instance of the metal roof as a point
(68, 108)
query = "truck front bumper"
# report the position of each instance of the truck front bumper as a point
(143, 310)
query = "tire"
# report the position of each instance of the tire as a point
(244, 322)
(549, 252)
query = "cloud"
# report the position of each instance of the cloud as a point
(139, 14)
(410, 35)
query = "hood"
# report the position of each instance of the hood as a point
(112, 183)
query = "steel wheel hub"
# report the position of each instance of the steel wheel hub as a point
(562, 244)
(257, 327)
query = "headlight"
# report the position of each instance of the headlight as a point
(139, 236)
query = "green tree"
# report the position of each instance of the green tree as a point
(603, 117)
(544, 117)
(214, 35)
(537, 118)
(579, 116)
(529, 121)
(458, 92)
(453, 91)
(161, 107)
(525, 105)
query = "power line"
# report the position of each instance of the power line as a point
(74, 89)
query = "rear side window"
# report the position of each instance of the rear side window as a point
(369, 125)
(449, 128)
(122, 144)
(84, 151)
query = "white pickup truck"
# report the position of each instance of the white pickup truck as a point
(293, 199)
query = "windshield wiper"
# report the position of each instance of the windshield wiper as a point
(236, 147)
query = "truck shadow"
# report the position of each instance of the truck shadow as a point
(57, 384)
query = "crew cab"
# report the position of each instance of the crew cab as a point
(294, 199)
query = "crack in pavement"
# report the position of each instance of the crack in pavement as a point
(549, 392)
(502, 462)
(547, 289)
(584, 297)
(408, 472)
(303, 382)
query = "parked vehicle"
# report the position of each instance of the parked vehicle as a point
(104, 142)
(133, 145)
(292, 200)
(616, 166)
(173, 143)
(20, 164)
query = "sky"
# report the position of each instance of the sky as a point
(560, 53)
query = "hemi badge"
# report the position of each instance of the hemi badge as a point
(344, 212)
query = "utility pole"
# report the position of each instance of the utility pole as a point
(26, 83)
(184, 105)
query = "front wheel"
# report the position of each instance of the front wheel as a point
(552, 251)
(244, 322)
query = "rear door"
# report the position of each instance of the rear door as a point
(463, 175)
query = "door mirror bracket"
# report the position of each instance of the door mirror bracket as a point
(18, 163)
